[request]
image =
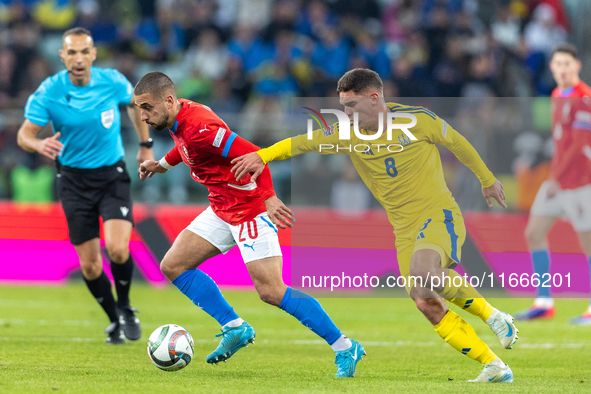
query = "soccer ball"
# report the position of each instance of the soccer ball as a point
(170, 347)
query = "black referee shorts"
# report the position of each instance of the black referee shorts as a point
(87, 194)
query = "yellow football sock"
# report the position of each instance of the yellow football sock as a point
(461, 293)
(456, 286)
(461, 336)
(476, 306)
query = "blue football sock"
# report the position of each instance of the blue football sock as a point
(204, 293)
(541, 260)
(310, 313)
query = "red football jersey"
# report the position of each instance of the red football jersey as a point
(207, 145)
(571, 132)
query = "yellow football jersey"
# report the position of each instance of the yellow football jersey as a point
(407, 182)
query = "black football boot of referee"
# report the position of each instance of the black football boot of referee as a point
(116, 336)
(130, 323)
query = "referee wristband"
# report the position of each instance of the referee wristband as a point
(165, 164)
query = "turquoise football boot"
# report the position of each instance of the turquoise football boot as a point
(347, 360)
(233, 339)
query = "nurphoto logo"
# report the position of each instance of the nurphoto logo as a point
(344, 130)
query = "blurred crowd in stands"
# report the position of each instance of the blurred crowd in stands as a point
(246, 58)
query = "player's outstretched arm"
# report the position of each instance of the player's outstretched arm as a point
(495, 191)
(249, 163)
(254, 162)
(27, 139)
(280, 215)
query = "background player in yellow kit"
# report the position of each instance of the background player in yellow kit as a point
(427, 221)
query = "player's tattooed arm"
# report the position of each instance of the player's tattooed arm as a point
(280, 215)
(495, 191)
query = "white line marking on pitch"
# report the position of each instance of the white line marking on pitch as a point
(44, 322)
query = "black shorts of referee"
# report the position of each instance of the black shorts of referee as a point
(88, 194)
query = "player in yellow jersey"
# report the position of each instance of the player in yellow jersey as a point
(406, 177)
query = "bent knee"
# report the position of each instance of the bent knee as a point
(174, 264)
(417, 271)
(530, 234)
(535, 235)
(118, 253)
(169, 269)
(266, 297)
(91, 269)
(271, 295)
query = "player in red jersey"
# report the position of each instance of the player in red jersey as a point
(568, 189)
(241, 212)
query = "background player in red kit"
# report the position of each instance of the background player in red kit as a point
(568, 189)
(241, 212)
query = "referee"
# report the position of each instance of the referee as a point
(82, 104)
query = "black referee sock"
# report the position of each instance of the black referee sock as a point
(101, 290)
(122, 276)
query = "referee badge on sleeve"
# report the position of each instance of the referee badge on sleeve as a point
(107, 118)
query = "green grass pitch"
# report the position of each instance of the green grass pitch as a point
(51, 340)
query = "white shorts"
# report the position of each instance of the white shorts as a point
(256, 238)
(575, 204)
